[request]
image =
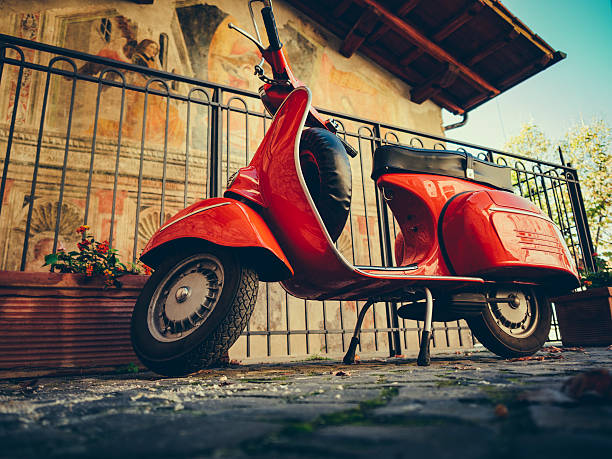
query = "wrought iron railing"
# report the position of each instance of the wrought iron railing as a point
(121, 147)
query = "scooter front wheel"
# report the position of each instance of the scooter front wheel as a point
(192, 309)
(515, 322)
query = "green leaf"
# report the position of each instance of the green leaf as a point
(50, 259)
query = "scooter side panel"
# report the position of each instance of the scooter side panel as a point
(416, 201)
(501, 236)
(224, 222)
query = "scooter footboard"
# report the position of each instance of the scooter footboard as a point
(501, 236)
(224, 222)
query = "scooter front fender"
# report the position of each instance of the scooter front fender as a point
(223, 222)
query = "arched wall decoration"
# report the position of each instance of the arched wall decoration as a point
(42, 233)
(44, 218)
(149, 224)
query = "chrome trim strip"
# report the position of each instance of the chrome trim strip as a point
(387, 268)
(193, 213)
(519, 211)
(418, 277)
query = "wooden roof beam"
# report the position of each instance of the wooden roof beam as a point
(536, 64)
(401, 11)
(443, 79)
(341, 8)
(358, 33)
(414, 78)
(448, 103)
(454, 23)
(418, 39)
(410, 75)
(410, 57)
(492, 47)
(476, 100)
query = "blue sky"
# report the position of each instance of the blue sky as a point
(579, 87)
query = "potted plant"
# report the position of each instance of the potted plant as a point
(75, 317)
(585, 317)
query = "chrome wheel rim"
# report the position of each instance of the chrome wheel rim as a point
(185, 298)
(519, 316)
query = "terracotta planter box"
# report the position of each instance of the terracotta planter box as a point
(59, 323)
(585, 318)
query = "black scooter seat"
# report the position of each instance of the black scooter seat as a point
(390, 159)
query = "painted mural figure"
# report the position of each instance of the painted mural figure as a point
(157, 114)
(145, 54)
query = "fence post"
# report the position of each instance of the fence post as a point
(582, 223)
(387, 259)
(214, 157)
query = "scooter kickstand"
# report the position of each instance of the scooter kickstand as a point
(349, 358)
(424, 360)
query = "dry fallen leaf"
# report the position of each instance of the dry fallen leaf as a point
(343, 373)
(596, 383)
(554, 349)
(501, 411)
(463, 367)
(538, 358)
(572, 349)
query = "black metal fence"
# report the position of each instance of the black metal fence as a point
(120, 147)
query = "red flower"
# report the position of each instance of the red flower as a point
(102, 247)
(83, 245)
(81, 229)
(89, 270)
(147, 269)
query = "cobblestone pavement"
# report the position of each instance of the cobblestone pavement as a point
(472, 406)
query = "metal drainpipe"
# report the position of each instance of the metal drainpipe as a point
(457, 124)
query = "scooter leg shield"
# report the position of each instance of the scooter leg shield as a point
(222, 222)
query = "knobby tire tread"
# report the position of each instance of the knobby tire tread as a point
(218, 343)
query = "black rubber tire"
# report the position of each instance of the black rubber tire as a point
(486, 330)
(211, 340)
(327, 172)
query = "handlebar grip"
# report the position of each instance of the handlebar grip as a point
(270, 23)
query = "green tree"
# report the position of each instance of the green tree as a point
(531, 142)
(589, 147)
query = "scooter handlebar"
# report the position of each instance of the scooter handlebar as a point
(270, 24)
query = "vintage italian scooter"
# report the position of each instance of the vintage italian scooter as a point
(468, 247)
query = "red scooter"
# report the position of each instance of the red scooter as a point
(468, 247)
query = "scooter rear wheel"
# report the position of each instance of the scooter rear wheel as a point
(192, 309)
(516, 326)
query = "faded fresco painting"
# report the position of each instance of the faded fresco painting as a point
(127, 149)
